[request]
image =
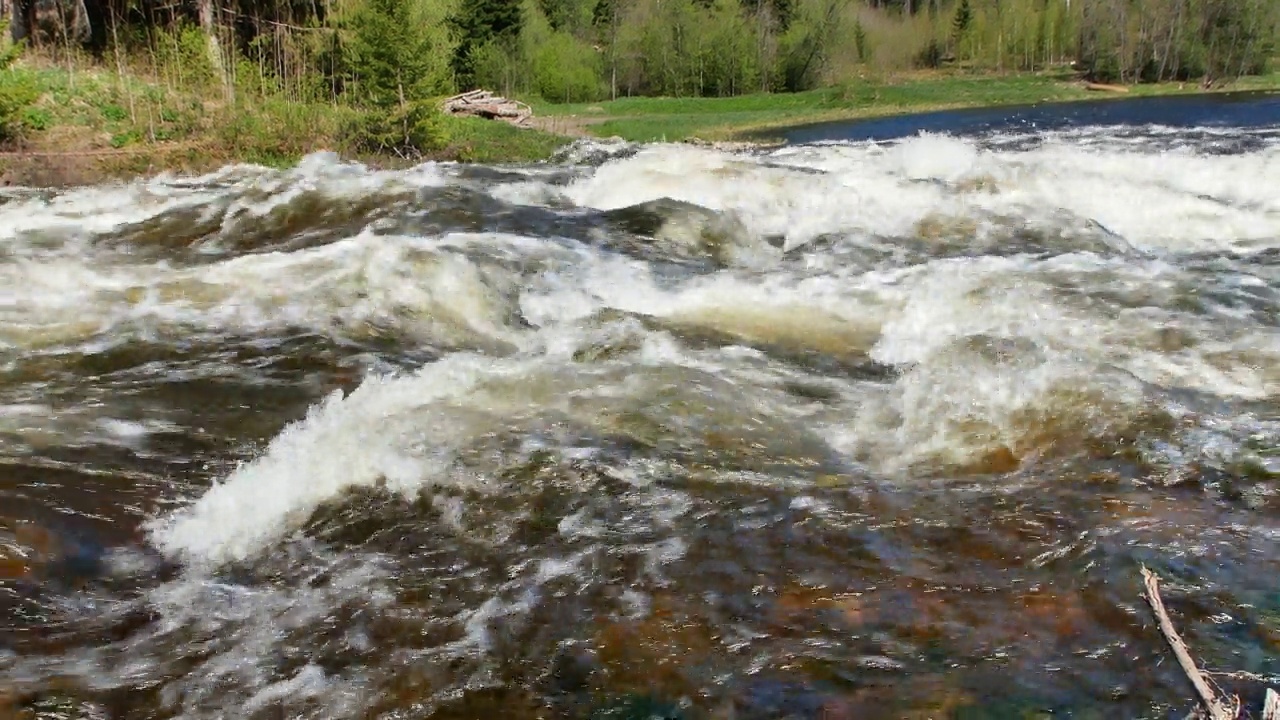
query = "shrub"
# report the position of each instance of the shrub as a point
(567, 70)
(409, 131)
(18, 91)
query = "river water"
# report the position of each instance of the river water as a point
(839, 430)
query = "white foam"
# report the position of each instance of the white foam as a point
(233, 190)
(348, 286)
(384, 432)
(1169, 201)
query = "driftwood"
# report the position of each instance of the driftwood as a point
(484, 104)
(1271, 710)
(1105, 87)
(1214, 709)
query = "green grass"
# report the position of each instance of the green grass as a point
(95, 109)
(480, 140)
(647, 119)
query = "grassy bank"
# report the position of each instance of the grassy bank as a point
(674, 119)
(91, 122)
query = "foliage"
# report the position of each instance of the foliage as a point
(18, 92)
(182, 55)
(274, 80)
(1176, 39)
(479, 23)
(564, 70)
(393, 77)
(408, 131)
(476, 140)
(390, 56)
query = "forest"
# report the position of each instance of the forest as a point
(390, 55)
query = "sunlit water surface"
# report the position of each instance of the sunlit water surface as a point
(846, 430)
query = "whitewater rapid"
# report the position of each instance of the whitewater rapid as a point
(931, 310)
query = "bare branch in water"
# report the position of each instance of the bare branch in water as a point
(1215, 709)
(1271, 709)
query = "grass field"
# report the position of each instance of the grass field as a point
(673, 119)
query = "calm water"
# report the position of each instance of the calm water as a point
(1194, 116)
(847, 430)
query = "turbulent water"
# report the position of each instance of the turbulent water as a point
(851, 430)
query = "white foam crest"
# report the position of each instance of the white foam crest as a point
(961, 409)
(1067, 363)
(243, 189)
(96, 210)
(904, 316)
(364, 281)
(769, 201)
(996, 359)
(386, 432)
(409, 433)
(1176, 201)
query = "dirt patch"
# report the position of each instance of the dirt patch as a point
(568, 125)
(52, 169)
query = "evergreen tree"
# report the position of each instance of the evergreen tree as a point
(391, 57)
(391, 61)
(568, 15)
(478, 23)
(962, 20)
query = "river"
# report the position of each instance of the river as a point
(847, 429)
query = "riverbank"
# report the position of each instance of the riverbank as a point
(93, 124)
(748, 116)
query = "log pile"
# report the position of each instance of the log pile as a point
(484, 104)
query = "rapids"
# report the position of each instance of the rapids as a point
(843, 429)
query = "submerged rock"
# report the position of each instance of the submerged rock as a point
(667, 230)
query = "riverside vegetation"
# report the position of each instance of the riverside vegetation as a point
(266, 82)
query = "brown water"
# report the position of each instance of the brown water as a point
(838, 431)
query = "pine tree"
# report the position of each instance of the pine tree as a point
(962, 20)
(390, 55)
(390, 59)
(479, 22)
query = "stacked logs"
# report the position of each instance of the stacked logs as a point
(484, 104)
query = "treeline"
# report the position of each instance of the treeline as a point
(578, 50)
(390, 55)
(584, 50)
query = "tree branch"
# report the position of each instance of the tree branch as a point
(1215, 709)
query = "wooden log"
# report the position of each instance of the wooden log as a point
(1105, 87)
(1213, 707)
(485, 104)
(1271, 710)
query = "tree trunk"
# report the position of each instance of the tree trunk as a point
(210, 28)
(613, 52)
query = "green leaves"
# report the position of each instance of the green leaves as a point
(479, 23)
(407, 131)
(18, 91)
(394, 77)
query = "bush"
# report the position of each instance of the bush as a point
(183, 54)
(567, 70)
(409, 131)
(18, 92)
